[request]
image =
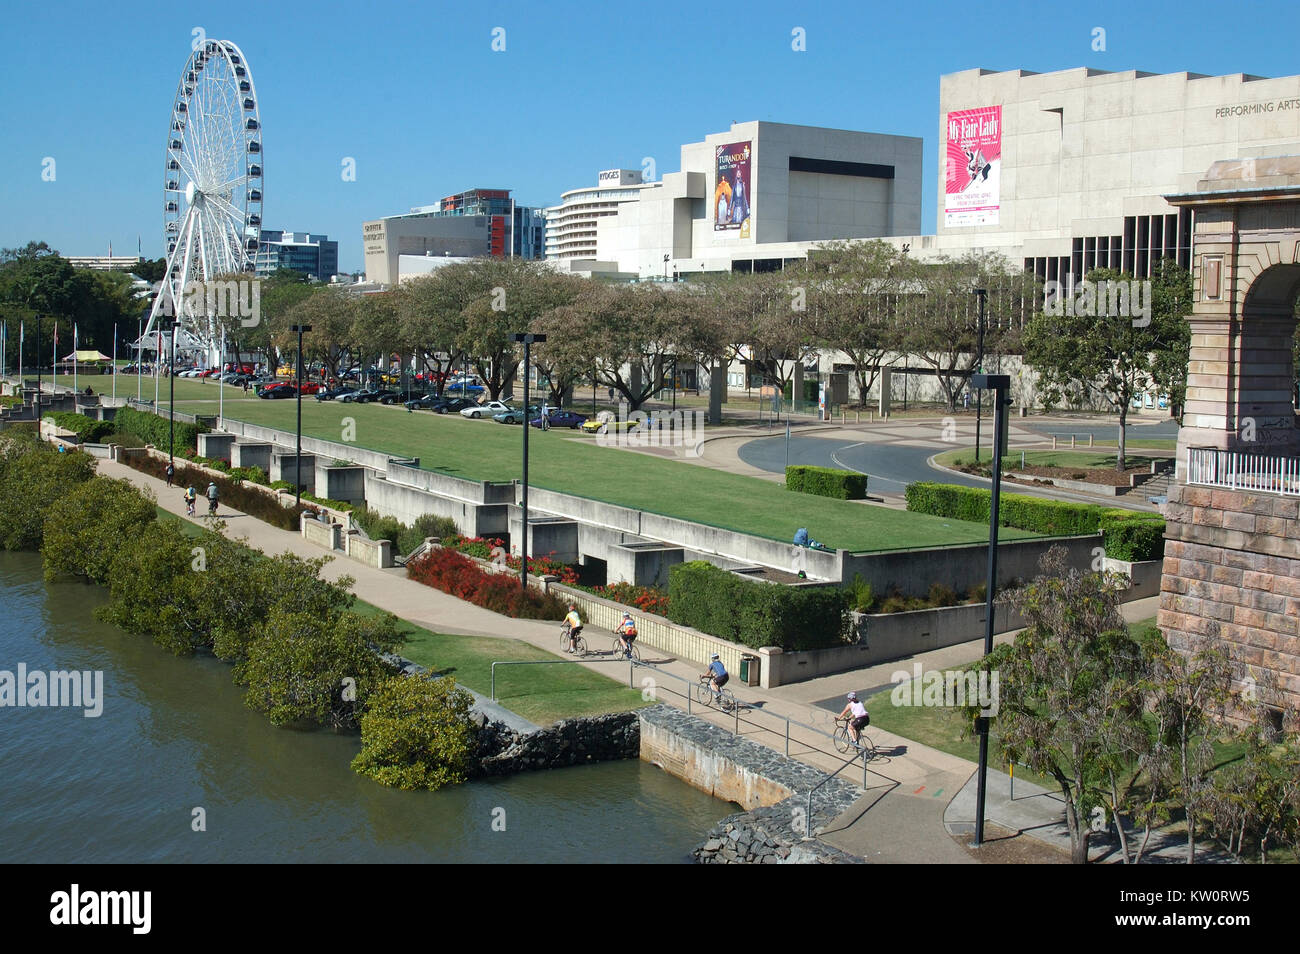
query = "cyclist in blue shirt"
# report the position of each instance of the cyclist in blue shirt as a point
(718, 672)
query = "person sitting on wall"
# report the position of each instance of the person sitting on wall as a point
(801, 537)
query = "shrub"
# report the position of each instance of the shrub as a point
(123, 439)
(299, 666)
(826, 482)
(87, 429)
(1134, 540)
(327, 502)
(84, 529)
(460, 576)
(34, 477)
(417, 733)
(754, 613)
(859, 594)
(155, 430)
(1052, 517)
(231, 492)
(648, 599)
(941, 594)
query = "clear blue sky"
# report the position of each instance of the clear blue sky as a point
(415, 93)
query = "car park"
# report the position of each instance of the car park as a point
(476, 411)
(516, 415)
(452, 405)
(557, 417)
(281, 390)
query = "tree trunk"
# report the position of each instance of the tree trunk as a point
(1123, 420)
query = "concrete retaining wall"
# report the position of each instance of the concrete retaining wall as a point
(1144, 577)
(374, 553)
(325, 535)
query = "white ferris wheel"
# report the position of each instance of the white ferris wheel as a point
(212, 192)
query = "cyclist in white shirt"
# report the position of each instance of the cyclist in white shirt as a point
(856, 712)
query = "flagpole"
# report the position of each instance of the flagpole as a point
(115, 361)
(157, 362)
(221, 388)
(139, 357)
(22, 340)
(74, 356)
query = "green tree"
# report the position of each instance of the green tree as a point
(1111, 357)
(33, 478)
(84, 529)
(1064, 677)
(154, 588)
(417, 733)
(308, 669)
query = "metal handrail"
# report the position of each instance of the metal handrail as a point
(1241, 470)
(808, 831)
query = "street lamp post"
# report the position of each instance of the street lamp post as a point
(999, 384)
(980, 293)
(528, 340)
(171, 400)
(297, 463)
(665, 268)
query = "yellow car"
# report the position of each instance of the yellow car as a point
(608, 425)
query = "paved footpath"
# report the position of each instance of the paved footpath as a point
(899, 818)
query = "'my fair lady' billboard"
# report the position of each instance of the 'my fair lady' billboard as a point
(974, 167)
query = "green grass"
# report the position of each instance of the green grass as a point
(484, 450)
(541, 694)
(187, 389)
(1073, 459)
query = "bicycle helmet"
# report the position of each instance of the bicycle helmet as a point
(715, 656)
(627, 615)
(853, 697)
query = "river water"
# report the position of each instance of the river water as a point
(175, 736)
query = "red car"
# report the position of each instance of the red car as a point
(210, 372)
(309, 388)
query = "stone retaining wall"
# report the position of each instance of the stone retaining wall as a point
(772, 787)
(579, 741)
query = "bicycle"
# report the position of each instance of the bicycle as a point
(579, 647)
(844, 741)
(617, 649)
(705, 694)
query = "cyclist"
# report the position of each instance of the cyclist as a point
(856, 713)
(213, 493)
(573, 623)
(626, 632)
(718, 674)
(190, 497)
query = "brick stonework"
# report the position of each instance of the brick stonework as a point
(1232, 574)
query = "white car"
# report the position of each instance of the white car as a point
(191, 373)
(485, 410)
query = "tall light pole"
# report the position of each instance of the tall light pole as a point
(171, 397)
(981, 294)
(38, 368)
(999, 384)
(528, 340)
(139, 358)
(297, 463)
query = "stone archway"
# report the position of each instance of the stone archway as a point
(1232, 553)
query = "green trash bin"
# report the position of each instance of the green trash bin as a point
(749, 669)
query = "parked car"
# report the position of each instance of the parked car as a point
(284, 389)
(329, 394)
(452, 405)
(557, 417)
(476, 411)
(516, 415)
(606, 423)
(309, 387)
(465, 387)
(424, 402)
(388, 397)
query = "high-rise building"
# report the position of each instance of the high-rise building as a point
(465, 225)
(313, 255)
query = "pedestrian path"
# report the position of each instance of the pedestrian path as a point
(899, 818)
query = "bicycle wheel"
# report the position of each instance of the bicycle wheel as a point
(842, 740)
(726, 701)
(703, 693)
(581, 649)
(636, 651)
(868, 747)
(564, 640)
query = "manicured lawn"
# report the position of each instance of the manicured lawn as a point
(541, 694)
(187, 389)
(485, 450)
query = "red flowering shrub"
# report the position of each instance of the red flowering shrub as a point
(484, 547)
(454, 573)
(648, 599)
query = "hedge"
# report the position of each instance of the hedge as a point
(231, 493)
(155, 430)
(1053, 517)
(87, 429)
(754, 613)
(826, 482)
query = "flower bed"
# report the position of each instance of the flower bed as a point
(484, 547)
(452, 572)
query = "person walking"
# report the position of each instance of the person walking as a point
(171, 473)
(213, 494)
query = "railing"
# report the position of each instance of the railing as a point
(1239, 470)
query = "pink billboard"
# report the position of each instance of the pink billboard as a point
(973, 170)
